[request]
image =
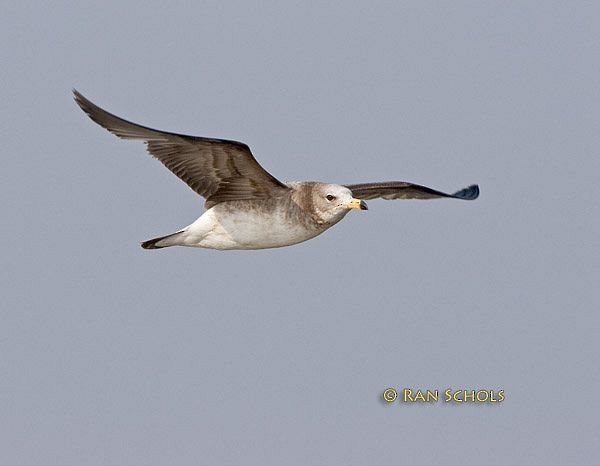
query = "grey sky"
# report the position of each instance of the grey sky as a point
(113, 355)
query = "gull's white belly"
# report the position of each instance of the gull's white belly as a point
(218, 228)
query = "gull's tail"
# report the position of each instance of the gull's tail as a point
(174, 239)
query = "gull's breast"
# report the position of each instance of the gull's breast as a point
(257, 225)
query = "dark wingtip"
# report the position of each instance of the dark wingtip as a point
(82, 102)
(468, 194)
(76, 95)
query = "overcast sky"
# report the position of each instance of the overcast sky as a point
(114, 355)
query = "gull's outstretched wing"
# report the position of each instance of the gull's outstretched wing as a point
(217, 169)
(405, 190)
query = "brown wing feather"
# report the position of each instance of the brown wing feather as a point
(405, 190)
(217, 169)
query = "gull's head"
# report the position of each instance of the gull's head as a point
(333, 201)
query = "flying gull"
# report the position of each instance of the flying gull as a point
(247, 207)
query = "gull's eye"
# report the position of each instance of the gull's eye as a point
(330, 197)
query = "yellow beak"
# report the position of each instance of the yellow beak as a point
(356, 204)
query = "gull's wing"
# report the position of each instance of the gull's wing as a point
(405, 190)
(217, 169)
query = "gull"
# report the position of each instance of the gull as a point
(246, 206)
